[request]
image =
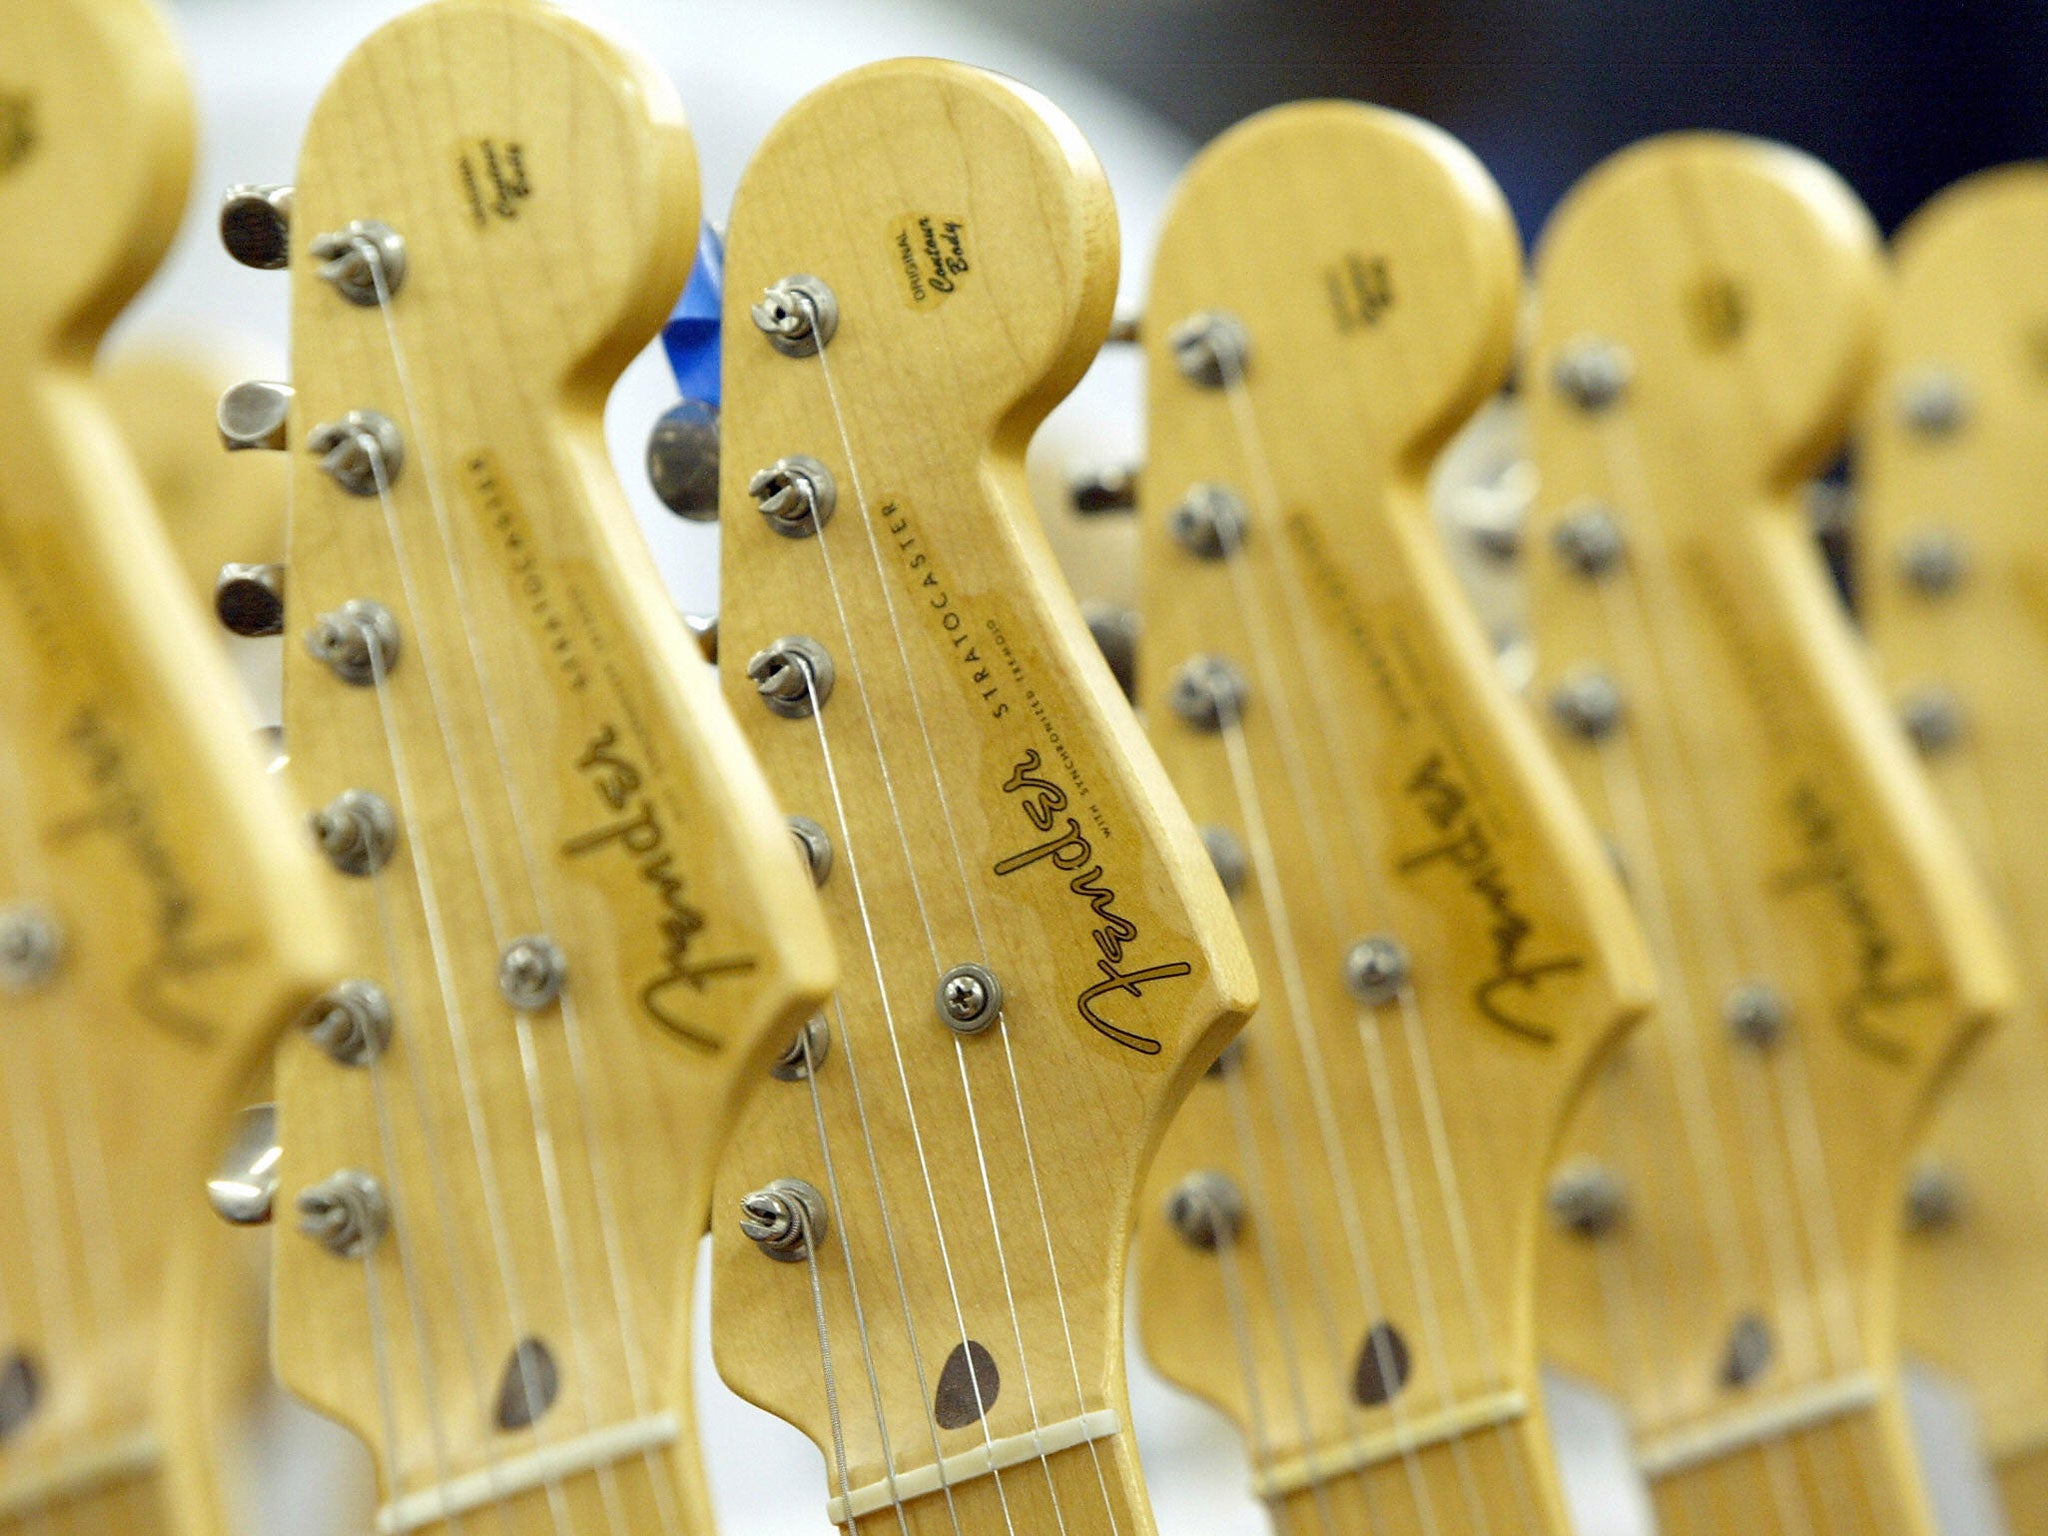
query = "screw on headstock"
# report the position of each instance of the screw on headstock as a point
(1376, 969)
(969, 999)
(532, 972)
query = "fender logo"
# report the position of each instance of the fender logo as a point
(1069, 851)
(1511, 995)
(639, 834)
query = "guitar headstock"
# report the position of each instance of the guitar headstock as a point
(160, 917)
(1707, 313)
(1039, 957)
(1954, 594)
(578, 923)
(1411, 865)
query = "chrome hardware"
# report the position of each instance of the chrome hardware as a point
(31, 948)
(1206, 1208)
(1376, 969)
(1933, 717)
(361, 260)
(1933, 403)
(798, 315)
(704, 631)
(529, 1386)
(1105, 488)
(1227, 854)
(815, 847)
(357, 830)
(786, 1220)
(256, 226)
(969, 999)
(249, 600)
(21, 1392)
(1115, 632)
(243, 1187)
(532, 972)
(1210, 521)
(1749, 1351)
(806, 1052)
(797, 495)
(1589, 540)
(1211, 349)
(1933, 562)
(1587, 1198)
(255, 414)
(1124, 330)
(1208, 692)
(344, 1213)
(682, 460)
(362, 452)
(359, 641)
(1592, 373)
(1755, 1014)
(351, 1022)
(1588, 704)
(794, 676)
(1934, 1198)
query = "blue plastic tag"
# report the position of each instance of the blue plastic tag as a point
(691, 335)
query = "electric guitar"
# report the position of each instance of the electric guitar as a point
(577, 925)
(162, 916)
(919, 1234)
(1954, 593)
(1337, 1244)
(1723, 1257)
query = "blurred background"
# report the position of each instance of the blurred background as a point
(1901, 98)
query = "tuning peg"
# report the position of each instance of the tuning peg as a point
(256, 226)
(249, 600)
(704, 630)
(1116, 636)
(1105, 488)
(682, 460)
(243, 1189)
(1124, 330)
(255, 414)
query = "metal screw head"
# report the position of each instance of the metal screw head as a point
(1211, 349)
(357, 830)
(682, 460)
(1208, 692)
(1105, 488)
(532, 972)
(969, 999)
(794, 676)
(1210, 521)
(1933, 562)
(31, 947)
(1376, 969)
(256, 226)
(797, 495)
(351, 1022)
(1934, 1198)
(1587, 1198)
(815, 847)
(1749, 1350)
(362, 453)
(345, 1213)
(805, 1054)
(1115, 631)
(243, 1187)
(1228, 855)
(1206, 1208)
(1592, 373)
(1756, 1014)
(785, 1220)
(249, 600)
(358, 641)
(1933, 717)
(798, 316)
(1589, 540)
(1588, 704)
(255, 414)
(365, 261)
(1933, 403)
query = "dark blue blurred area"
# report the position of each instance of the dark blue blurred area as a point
(1901, 98)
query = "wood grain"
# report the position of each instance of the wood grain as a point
(989, 799)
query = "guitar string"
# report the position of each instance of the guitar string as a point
(967, 889)
(1369, 841)
(1312, 662)
(1001, 1028)
(491, 694)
